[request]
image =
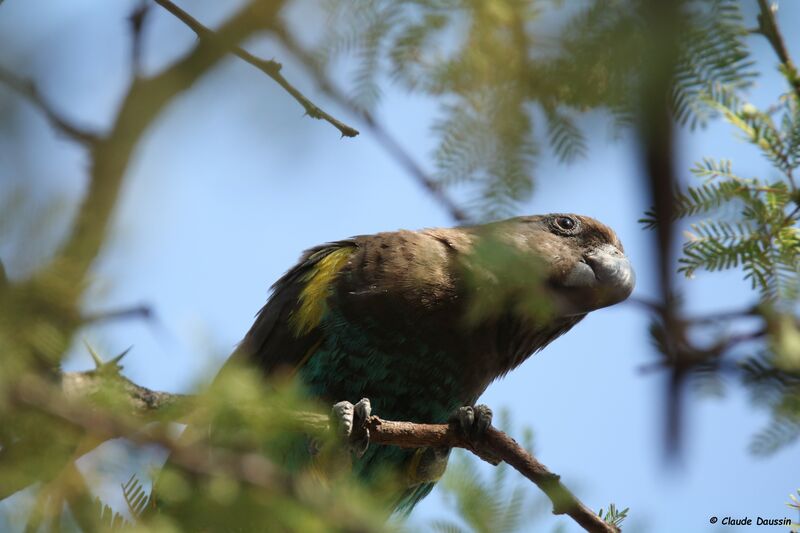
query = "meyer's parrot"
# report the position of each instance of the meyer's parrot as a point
(392, 317)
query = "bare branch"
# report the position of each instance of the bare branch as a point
(768, 27)
(272, 69)
(143, 403)
(496, 444)
(145, 99)
(656, 130)
(142, 312)
(382, 135)
(269, 67)
(28, 90)
(136, 21)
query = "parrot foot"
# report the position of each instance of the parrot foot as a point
(473, 421)
(350, 423)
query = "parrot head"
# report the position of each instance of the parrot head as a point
(584, 263)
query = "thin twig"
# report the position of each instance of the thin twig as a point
(28, 90)
(790, 218)
(137, 312)
(704, 319)
(136, 21)
(657, 153)
(269, 67)
(382, 135)
(143, 102)
(272, 69)
(768, 27)
(692, 356)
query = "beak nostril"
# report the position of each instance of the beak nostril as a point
(593, 264)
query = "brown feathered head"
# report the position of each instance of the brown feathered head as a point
(583, 260)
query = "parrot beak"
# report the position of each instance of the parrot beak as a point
(603, 277)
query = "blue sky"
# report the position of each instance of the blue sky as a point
(232, 183)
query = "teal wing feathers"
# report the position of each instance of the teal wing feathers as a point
(413, 496)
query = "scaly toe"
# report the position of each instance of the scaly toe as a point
(473, 421)
(342, 418)
(483, 419)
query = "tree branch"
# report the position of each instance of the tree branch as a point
(143, 403)
(496, 444)
(768, 27)
(382, 135)
(272, 69)
(195, 458)
(145, 99)
(110, 155)
(136, 312)
(657, 147)
(146, 405)
(269, 67)
(28, 90)
(136, 21)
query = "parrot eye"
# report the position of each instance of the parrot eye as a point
(564, 224)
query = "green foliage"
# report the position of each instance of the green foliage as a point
(794, 503)
(614, 516)
(107, 519)
(101, 517)
(483, 505)
(763, 237)
(505, 86)
(564, 135)
(486, 503)
(486, 143)
(719, 245)
(253, 430)
(495, 70)
(777, 387)
(714, 52)
(235, 468)
(752, 224)
(503, 277)
(710, 195)
(136, 497)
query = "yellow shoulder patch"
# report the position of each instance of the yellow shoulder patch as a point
(313, 298)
